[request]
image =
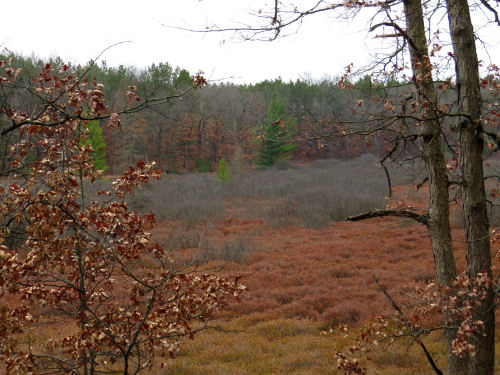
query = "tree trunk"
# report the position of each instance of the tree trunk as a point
(471, 168)
(438, 223)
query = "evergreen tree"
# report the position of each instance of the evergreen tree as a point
(223, 171)
(278, 132)
(96, 140)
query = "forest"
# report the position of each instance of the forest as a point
(202, 127)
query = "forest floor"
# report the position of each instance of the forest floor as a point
(303, 281)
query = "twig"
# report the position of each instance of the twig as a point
(400, 312)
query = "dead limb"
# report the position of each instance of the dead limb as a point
(398, 213)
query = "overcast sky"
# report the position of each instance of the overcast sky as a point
(79, 30)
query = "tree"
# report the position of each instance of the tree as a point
(471, 140)
(93, 136)
(277, 134)
(86, 267)
(419, 117)
(223, 171)
(438, 221)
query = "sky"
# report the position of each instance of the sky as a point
(138, 34)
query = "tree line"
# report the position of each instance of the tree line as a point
(221, 120)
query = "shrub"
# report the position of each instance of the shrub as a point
(314, 196)
(203, 165)
(235, 251)
(223, 171)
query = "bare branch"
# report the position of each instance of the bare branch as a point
(492, 10)
(387, 155)
(402, 32)
(274, 25)
(398, 213)
(408, 323)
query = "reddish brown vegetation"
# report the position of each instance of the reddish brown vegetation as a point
(327, 274)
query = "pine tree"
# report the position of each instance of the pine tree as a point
(96, 140)
(278, 132)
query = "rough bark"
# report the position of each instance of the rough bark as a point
(438, 218)
(471, 168)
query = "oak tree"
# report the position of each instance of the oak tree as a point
(85, 289)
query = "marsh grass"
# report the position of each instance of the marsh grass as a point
(255, 344)
(313, 196)
(258, 347)
(190, 199)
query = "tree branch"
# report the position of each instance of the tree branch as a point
(408, 323)
(398, 213)
(492, 10)
(401, 32)
(490, 138)
(388, 155)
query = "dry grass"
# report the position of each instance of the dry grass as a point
(256, 344)
(312, 196)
